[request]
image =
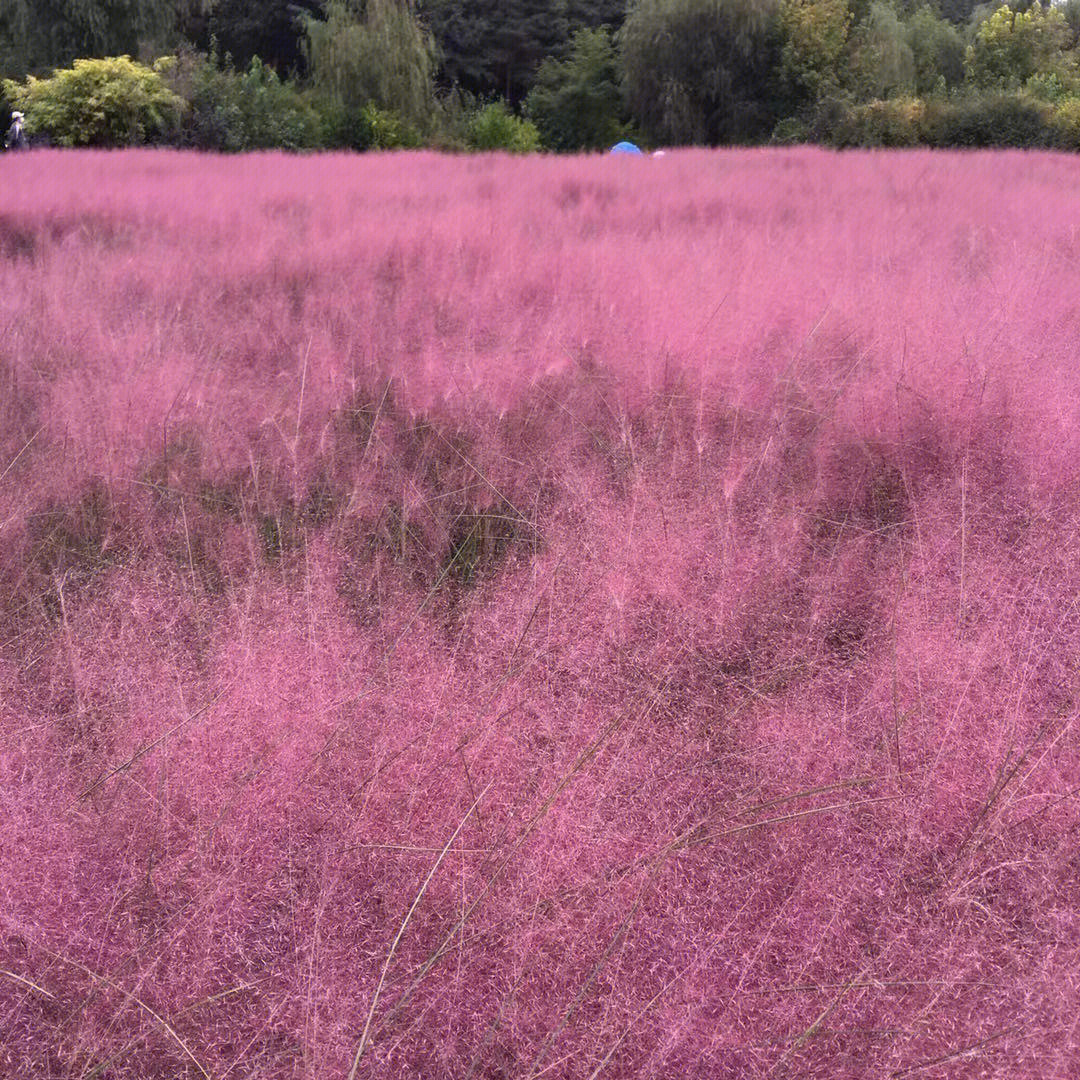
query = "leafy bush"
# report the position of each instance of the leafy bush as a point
(790, 132)
(452, 116)
(109, 102)
(898, 122)
(819, 123)
(576, 103)
(1051, 87)
(495, 127)
(369, 128)
(1064, 130)
(999, 120)
(249, 110)
(384, 129)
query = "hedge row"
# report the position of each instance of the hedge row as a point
(193, 100)
(1013, 120)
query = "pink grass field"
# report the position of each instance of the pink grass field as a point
(518, 618)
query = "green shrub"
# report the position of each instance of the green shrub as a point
(790, 132)
(110, 102)
(1065, 125)
(495, 127)
(369, 128)
(249, 110)
(822, 121)
(1052, 87)
(999, 120)
(385, 129)
(340, 126)
(897, 122)
(452, 114)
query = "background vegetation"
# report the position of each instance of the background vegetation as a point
(573, 74)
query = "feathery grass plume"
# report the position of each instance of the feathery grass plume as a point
(694, 546)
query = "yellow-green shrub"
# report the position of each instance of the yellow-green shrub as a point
(895, 122)
(495, 127)
(1065, 124)
(109, 102)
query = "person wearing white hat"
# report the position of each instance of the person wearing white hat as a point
(16, 135)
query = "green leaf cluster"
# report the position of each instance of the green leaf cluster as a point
(383, 129)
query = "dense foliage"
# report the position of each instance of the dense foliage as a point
(586, 73)
(495, 127)
(112, 102)
(232, 110)
(496, 46)
(38, 35)
(269, 29)
(576, 103)
(373, 53)
(699, 71)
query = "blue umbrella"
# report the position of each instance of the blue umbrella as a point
(625, 148)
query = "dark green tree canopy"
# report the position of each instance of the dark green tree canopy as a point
(37, 36)
(268, 29)
(576, 103)
(496, 46)
(591, 14)
(937, 51)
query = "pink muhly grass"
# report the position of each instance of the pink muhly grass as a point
(518, 618)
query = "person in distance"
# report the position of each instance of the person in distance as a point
(16, 134)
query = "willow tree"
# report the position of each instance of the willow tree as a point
(374, 52)
(880, 62)
(37, 36)
(703, 71)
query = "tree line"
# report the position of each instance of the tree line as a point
(561, 74)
